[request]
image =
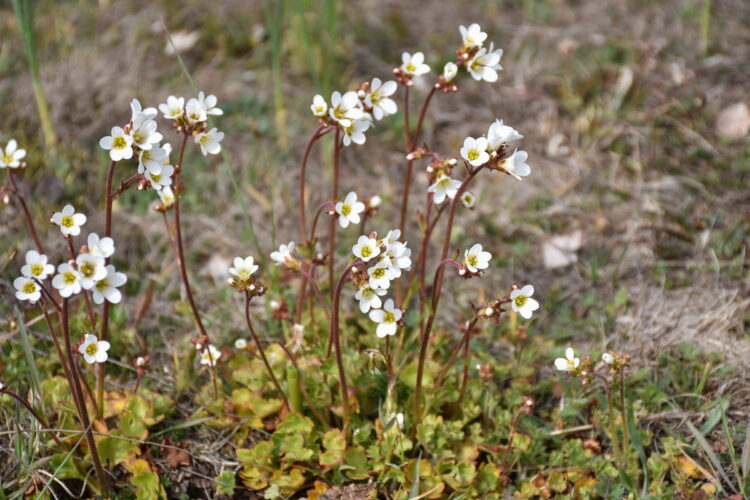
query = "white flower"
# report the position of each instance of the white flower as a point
(413, 64)
(145, 135)
(374, 202)
(516, 164)
(152, 159)
(209, 104)
(173, 108)
(140, 361)
(355, 131)
(468, 199)
(398, 257)
(319, 106)
(70, 222)
(195, 112)
(608, 358)
(569, 362)
(12, 156)
(379, 98)
(210, 355)
(522, 302)
(473, 36)
(450, 70)
(380, 275)
(140, 115)
(369, 297)
(366, 248)
(119, 144)
(93, 349)
(161, 179)
(284, 254)
(103, 247)
(67, 280)
(501, 135)
(106, 288)
(243, 268)
(345, 108)
(485, 64)
(240, 344)
(386, 318)
(475, 258)
(91, 269)
(444, 186)
(167, 196)
(349, 210)
(209, 141)
(36, 266)
(475, 151)
(27, 289)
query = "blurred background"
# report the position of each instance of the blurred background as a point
(633, 225)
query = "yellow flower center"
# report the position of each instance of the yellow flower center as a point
(571, 362)
(139, 137)
(8, 159)
(69, 278)
(411, 68)
(472, 260)
(378, 272)
(119, 143)
(91, 349)
(29, 287)
(473, 155)
(87, 269)
(346, 209)
(66, 221)
(155, 177)
(366, 251)
(205, 138)
(520, 300)
(37, 269)
(102, 284)
(388, 317)
(319, 109)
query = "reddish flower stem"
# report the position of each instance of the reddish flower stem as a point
(334, 195)
(26, 213)
(319, 132)
(454, 353)
(108, 201)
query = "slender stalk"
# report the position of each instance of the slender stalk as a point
(83, 412)
(45, 425)
(611, 424)
(319, 132)
(625, 433)
(334, 195)
(454, 353)
(26, 213)
(311, 280)
(465, 380)
(108, 201)
(86, 386)
(436, 288)
(262, 352)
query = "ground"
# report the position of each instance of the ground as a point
(633, 228)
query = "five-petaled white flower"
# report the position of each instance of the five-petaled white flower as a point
(67, 280)
(444, 187)
(473, 36)
(36, 266)
(139, 115)
(119, 144)
(387, 319)
(209, 141)
(70, 222)
(368, 297)
(608, 358)
(450, 70)
(366, 248)
(106, 288)
(90, 269)
(144, 135)
(475, 151)
(485, 64)
(349, 210)
(27, 289)
(413, 64)
(501, 135)
(284, 254)
(240, 344)
(195, 112)
(12, 155)
(243, 268)
(475, 258)
(569, 362)
(161, 179)
(104, 247)
(379, 98)
(380, 275)
(167, 196)
(516, 164)
(93, 349)
(468, 199)
(319, 106)
(355, 131)
(209, 104)
(345, 108)
(173, 108)
(210, 355)
(521, 301)
(152, 160)
(398, 257)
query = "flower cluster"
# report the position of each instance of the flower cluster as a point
(482, 63)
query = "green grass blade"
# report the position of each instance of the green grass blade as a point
(33, 371)
(710, 453)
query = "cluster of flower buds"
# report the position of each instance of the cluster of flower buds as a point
(615, 362)
(527, 404)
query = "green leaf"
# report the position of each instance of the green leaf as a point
(295, 423)
(259, 455)
(114, 451)
(226, 483)
(293, 447)
(334, 442)
(146, 481)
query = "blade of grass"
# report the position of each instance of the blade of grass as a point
(635, 438)
(745, 460)
(33, 371)
(732, 451)
(710, 453)
(414, 490)
(274, 25)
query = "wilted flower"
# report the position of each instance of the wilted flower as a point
(349, 210)
(522, 302)
(387, 319)
(70, 222)
(36, 266)
(12, 155)
(569, 362)
(93, 349)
